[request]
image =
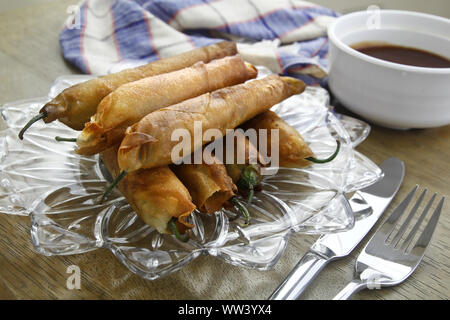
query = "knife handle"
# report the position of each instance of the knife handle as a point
(300, 277)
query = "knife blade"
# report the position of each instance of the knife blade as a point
(337, 245)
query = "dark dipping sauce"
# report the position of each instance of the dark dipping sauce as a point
(403, 55)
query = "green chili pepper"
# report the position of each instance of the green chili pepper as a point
(242, 209)
(65, 139)
(249, 179)
(173, 227)
(113, 185)
(40, 116)
(331, 158)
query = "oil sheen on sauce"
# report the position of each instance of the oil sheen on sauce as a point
(403, 55)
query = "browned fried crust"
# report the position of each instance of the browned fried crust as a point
(209, 184)
(75, 105)
(156, 194)
(292, 147)
(132, 101)
(222, 109)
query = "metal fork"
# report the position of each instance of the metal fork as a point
(385, 262)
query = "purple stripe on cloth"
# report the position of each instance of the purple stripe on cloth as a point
(133, 23)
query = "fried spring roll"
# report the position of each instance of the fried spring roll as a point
(209, 184)
(245, 167)
(293, 150)
(148, 143)
(156, 194)
(212, 183)
(75, 105)
(250, 157)
(132, 101)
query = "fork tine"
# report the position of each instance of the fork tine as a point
(427, 233)
(413, 231)
(388, 226)
(405, 224)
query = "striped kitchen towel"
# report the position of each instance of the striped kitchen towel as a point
(287, 36)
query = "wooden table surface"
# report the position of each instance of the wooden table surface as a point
(30, 60)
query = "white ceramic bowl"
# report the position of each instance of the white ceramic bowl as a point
(386, 93)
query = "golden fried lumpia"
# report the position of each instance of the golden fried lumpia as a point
(156, 194)
(209, 184)
(293, 150)
(250, 156)
(75, 105)
(148, 143)
(132, 101)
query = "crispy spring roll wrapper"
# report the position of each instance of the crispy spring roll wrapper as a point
(156, 195)
(212, 183)
(292, 147)
(132, 101)
(148, 143)
(75, 105)
(209, 184)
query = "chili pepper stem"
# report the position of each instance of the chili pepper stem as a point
(251, 192)
(57, 138)
(40, 116)
(250, 178)
(329, 159)
(173, 227)
(242, 209)
(113, 185)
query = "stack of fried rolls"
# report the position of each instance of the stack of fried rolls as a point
(132, 101)
(148, 143)
(156, 194)
(128, 118)
(75, 105)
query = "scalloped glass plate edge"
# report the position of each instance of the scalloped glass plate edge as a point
(261, 253)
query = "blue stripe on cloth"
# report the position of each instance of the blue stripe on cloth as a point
(312, 47)
(70, 41)
(132, 32)
(135, 43)
(276, 23)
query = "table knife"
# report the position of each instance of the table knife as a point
(334, 246)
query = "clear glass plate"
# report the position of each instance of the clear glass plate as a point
(60, 190)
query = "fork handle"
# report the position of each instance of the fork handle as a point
(349, 290)
(300, 277)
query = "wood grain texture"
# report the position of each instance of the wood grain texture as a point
(30, 58)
